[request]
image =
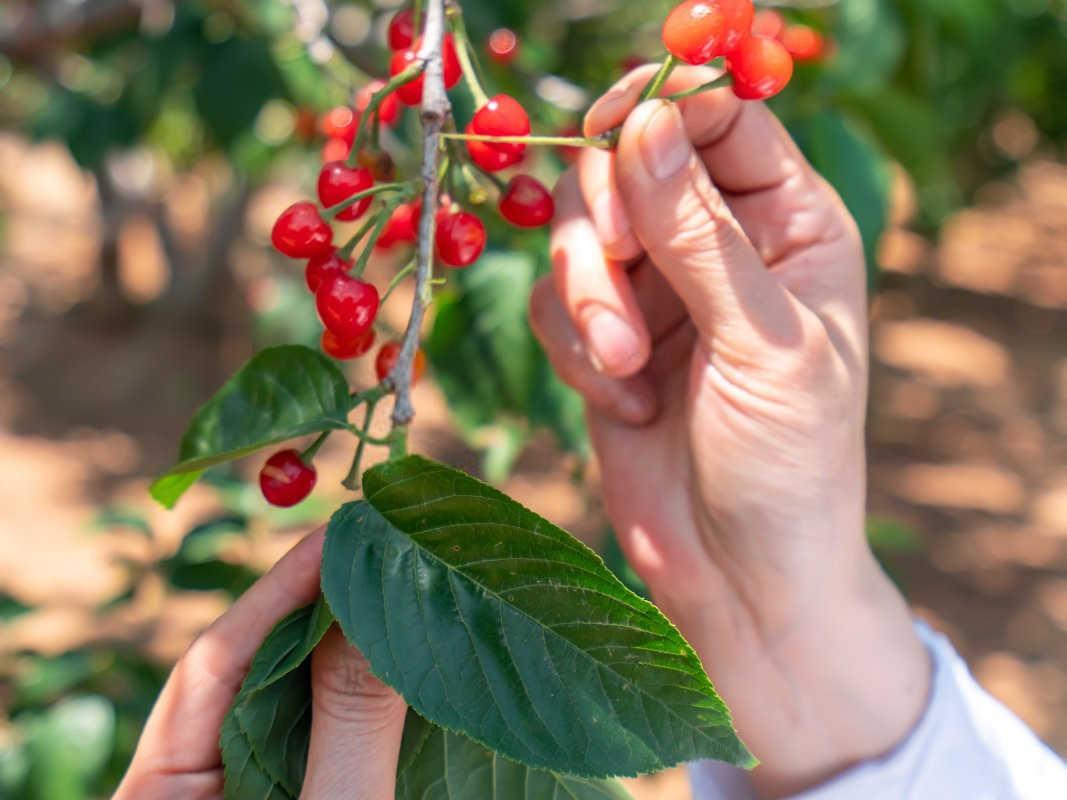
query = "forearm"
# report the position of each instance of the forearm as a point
(844, 684)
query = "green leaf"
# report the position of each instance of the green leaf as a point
(282, 393)
(68, 745)
(494, 622)
(856, 167)
(266, 733)
(438, 765)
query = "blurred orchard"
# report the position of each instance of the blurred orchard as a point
(147, 148)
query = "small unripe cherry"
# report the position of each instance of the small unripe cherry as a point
(286, 479)
(503, 45)
(338, 182)
(761, 68)
(460, 238)
(527, 203)
(347, 306)
(402, 29)
(386, 360)
(319, 268)
(346, 349)
(300, 232)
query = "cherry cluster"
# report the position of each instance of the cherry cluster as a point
(358, 178)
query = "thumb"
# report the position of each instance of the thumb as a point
(356, 726)
(689, 233)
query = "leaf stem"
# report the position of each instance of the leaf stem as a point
(655, 85)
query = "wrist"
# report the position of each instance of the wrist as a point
(843, 680)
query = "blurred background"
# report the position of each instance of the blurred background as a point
(147, 146)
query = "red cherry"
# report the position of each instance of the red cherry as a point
(339, 123)
(402, 29)
(335, 150)
(285, 479)
(503, 45)
(388, 110)
(697, 31)
(402, 226)
(301, 233)
(460, 238)
(527, 203)
(804, 43)
(411, 92)
(347, 306)
(322, 267)
(502, 116)
(387, 357)
(346, 349)
(761, 68)
(338, 182)
(768, 22)
(488, 155)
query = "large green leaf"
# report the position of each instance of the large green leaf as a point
(265, 736)
(282, 393)
(494, 622)
(436, 764)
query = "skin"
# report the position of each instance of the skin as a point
(708, 301)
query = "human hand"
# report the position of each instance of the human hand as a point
(356, 723)
(708, 300)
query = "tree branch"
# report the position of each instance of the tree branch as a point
(435, 113)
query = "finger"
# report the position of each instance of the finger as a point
(660, 305)
(596, 292)
(596, 176)
(781, 203)
(182, 733)
(630, 400)
(687, 230)
(357, 723)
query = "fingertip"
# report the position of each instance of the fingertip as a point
(616, 347)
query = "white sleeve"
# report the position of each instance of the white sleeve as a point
(967, 746)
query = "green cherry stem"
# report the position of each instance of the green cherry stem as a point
(333, 211)
(375, 234)
(346, 250)
(370, 112)
(397, 280)
(601, 142)
(464, 50)
(655, 85)
(718, 83)
(313, 448)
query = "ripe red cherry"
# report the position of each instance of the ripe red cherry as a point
(285, 479)
(761, 68)
(411, 92)
(768, 22)
(402, 225)
(503, 46)
(301, 233)
(527, 203)
(347, 306)
(402, 29)
(387, 357)
(338, 182)
(460, 238)
(488, 155)
(346, 349)
(322, 267)
(339, 123)
(697, 31)
(388, 110)
(804, 43)
(502, 116)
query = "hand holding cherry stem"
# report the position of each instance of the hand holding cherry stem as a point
(431, 54)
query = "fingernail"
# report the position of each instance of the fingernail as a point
(664, 146)
(612, 344)
(610, 217)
